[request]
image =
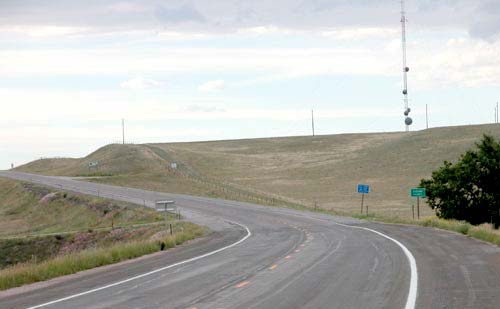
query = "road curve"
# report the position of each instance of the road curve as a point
(267, 257)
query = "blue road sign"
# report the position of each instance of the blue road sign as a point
(365, 189)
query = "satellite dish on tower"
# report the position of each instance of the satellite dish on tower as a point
(406, 69)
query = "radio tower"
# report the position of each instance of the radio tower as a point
(408, 120)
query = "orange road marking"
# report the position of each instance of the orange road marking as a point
(273, 267)
(242, 284)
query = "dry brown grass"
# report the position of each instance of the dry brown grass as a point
(328, 168)
(293, 169)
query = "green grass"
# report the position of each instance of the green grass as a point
(483, 232)
(461, 227)
(22, 274)
(24, 212)
(294, 171)
(45, 233)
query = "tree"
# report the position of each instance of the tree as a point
(470, 189)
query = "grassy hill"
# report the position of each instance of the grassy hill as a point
(45, 233)
(113, 160)
(300, 170)
(28, 209)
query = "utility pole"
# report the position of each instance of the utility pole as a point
(312, 120)
(496, 114)
(408, 120)
(123, 131)
(426, 117)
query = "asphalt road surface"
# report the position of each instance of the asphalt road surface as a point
(268, 257)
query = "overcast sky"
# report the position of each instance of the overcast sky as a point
(223, 69)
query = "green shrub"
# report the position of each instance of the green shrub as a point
(470, 189)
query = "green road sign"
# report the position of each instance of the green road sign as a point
(417, 192)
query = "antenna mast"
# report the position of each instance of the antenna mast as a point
(408, 120)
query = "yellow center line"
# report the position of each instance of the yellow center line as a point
(273, 267)
(242, 284)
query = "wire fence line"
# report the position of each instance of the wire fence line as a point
(104, 228)
(104, 194)
(222, 186)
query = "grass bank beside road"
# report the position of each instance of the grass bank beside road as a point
(485, 232)
(29, 272)
(317, 173)
(46, 233)
(29, 209)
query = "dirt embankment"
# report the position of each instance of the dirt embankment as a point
(37, 249)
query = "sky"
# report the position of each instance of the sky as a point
(191, 70)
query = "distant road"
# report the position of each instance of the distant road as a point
(266, 257)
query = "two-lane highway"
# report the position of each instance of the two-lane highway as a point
(266, 257)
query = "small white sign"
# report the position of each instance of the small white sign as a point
(165, 206)
(173, 165)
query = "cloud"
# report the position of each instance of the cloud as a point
(460, 62)
(44, 31)
(200, 108)
(90, 107)
(182, 14)
(433, 62)
(212, 86)
(478, 17)
(361, 33)
(139, 83)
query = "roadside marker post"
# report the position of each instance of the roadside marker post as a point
(413, 209)
(166, 206)
(418, 193)
(363, 189)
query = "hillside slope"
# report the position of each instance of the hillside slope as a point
(46, 232)
(113, 160)
(325, 169)
(28, 209)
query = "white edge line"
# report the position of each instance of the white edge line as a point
(149, 273)
(411, 301)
